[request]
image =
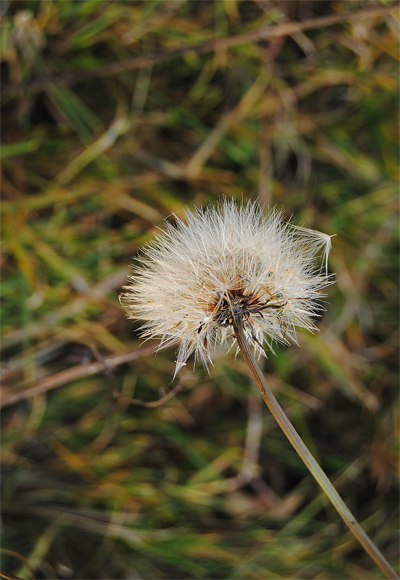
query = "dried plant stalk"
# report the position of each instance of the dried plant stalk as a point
(306, 456)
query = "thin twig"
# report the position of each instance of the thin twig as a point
(306, 456)
(151, 404)
(11, 396)
(107, 368)
(265, 33)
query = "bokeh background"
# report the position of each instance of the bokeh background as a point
(116, 115)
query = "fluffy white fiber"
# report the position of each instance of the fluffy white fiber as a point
(225, 262)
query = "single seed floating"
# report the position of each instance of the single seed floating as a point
(223, 263)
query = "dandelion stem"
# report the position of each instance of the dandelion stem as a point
(306, 456)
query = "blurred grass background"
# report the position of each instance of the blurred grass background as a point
(115, 115)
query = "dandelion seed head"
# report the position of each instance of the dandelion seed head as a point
(222, 263)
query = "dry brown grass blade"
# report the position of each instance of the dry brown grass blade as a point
(20, 557)
(204, 152)
(9, 397)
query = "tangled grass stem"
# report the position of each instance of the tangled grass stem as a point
(306, 456)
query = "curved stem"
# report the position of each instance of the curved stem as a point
(306, 456)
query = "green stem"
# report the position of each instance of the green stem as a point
(306, 456)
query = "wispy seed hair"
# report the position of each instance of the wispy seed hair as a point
(223, 262)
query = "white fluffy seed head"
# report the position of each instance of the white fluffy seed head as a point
(224, 262)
